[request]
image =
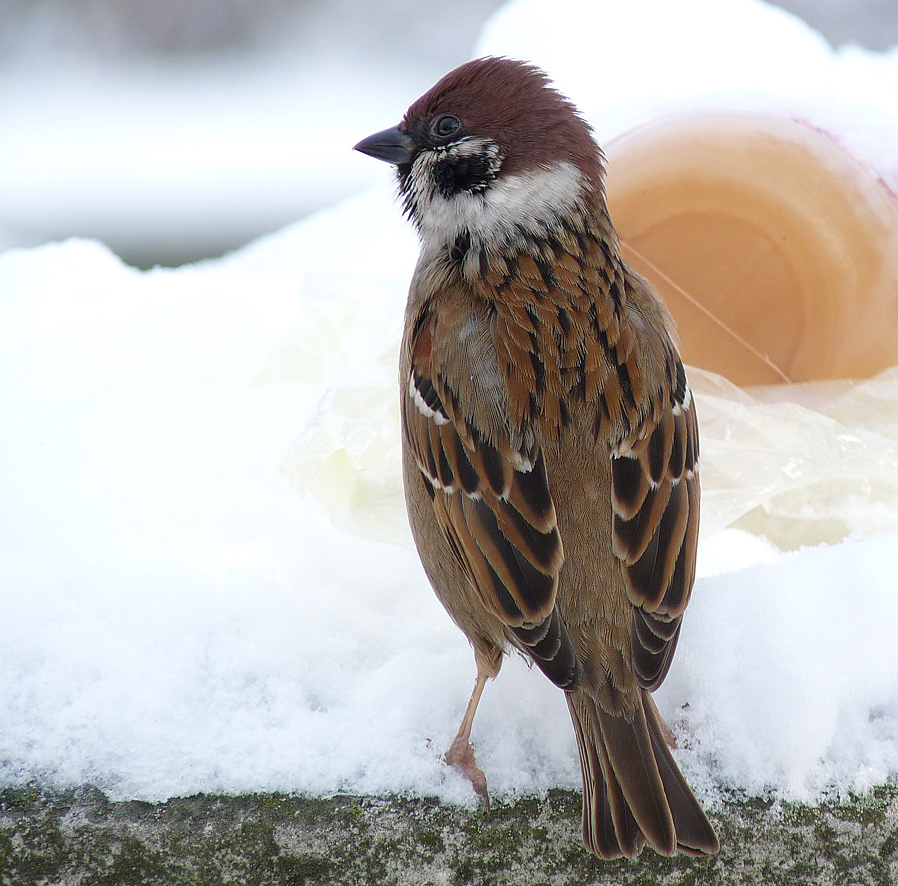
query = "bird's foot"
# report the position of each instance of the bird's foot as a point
(461, 755)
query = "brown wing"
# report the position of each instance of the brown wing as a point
(655, 496)
(491, 500)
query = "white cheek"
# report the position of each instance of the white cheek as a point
(534, 198)
(528, 203)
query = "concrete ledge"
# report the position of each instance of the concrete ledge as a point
(80, 837)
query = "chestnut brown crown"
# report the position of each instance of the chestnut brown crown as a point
(511, 103)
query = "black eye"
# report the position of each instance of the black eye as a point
(442, 128)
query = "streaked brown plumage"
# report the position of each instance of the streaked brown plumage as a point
(549, 436)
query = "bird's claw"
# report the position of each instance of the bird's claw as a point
(461, 755)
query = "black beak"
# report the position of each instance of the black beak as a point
(391, 145)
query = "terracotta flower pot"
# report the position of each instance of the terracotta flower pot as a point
(776, 251)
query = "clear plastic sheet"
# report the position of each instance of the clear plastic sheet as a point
(349, 458)
(799, 464)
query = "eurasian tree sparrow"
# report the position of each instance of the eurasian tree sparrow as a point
(550, 444)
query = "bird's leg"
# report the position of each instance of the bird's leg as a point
(460, 752)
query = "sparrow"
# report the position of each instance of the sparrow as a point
(549, 435)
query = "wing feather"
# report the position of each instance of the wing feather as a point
(655, 498)
(492, 503)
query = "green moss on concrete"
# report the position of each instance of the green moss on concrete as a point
(80, 837)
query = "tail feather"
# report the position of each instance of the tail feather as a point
(634, 768)
(609, 829)
(695, 834)
(599, 832)
(633, 791)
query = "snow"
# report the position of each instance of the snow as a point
(206, 578)
(198, 156)
(790, 669)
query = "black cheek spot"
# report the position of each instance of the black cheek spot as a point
(454, 174)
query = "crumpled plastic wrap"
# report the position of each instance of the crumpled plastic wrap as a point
(799, 464)
(349, 458)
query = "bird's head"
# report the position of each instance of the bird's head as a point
(491, 152)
